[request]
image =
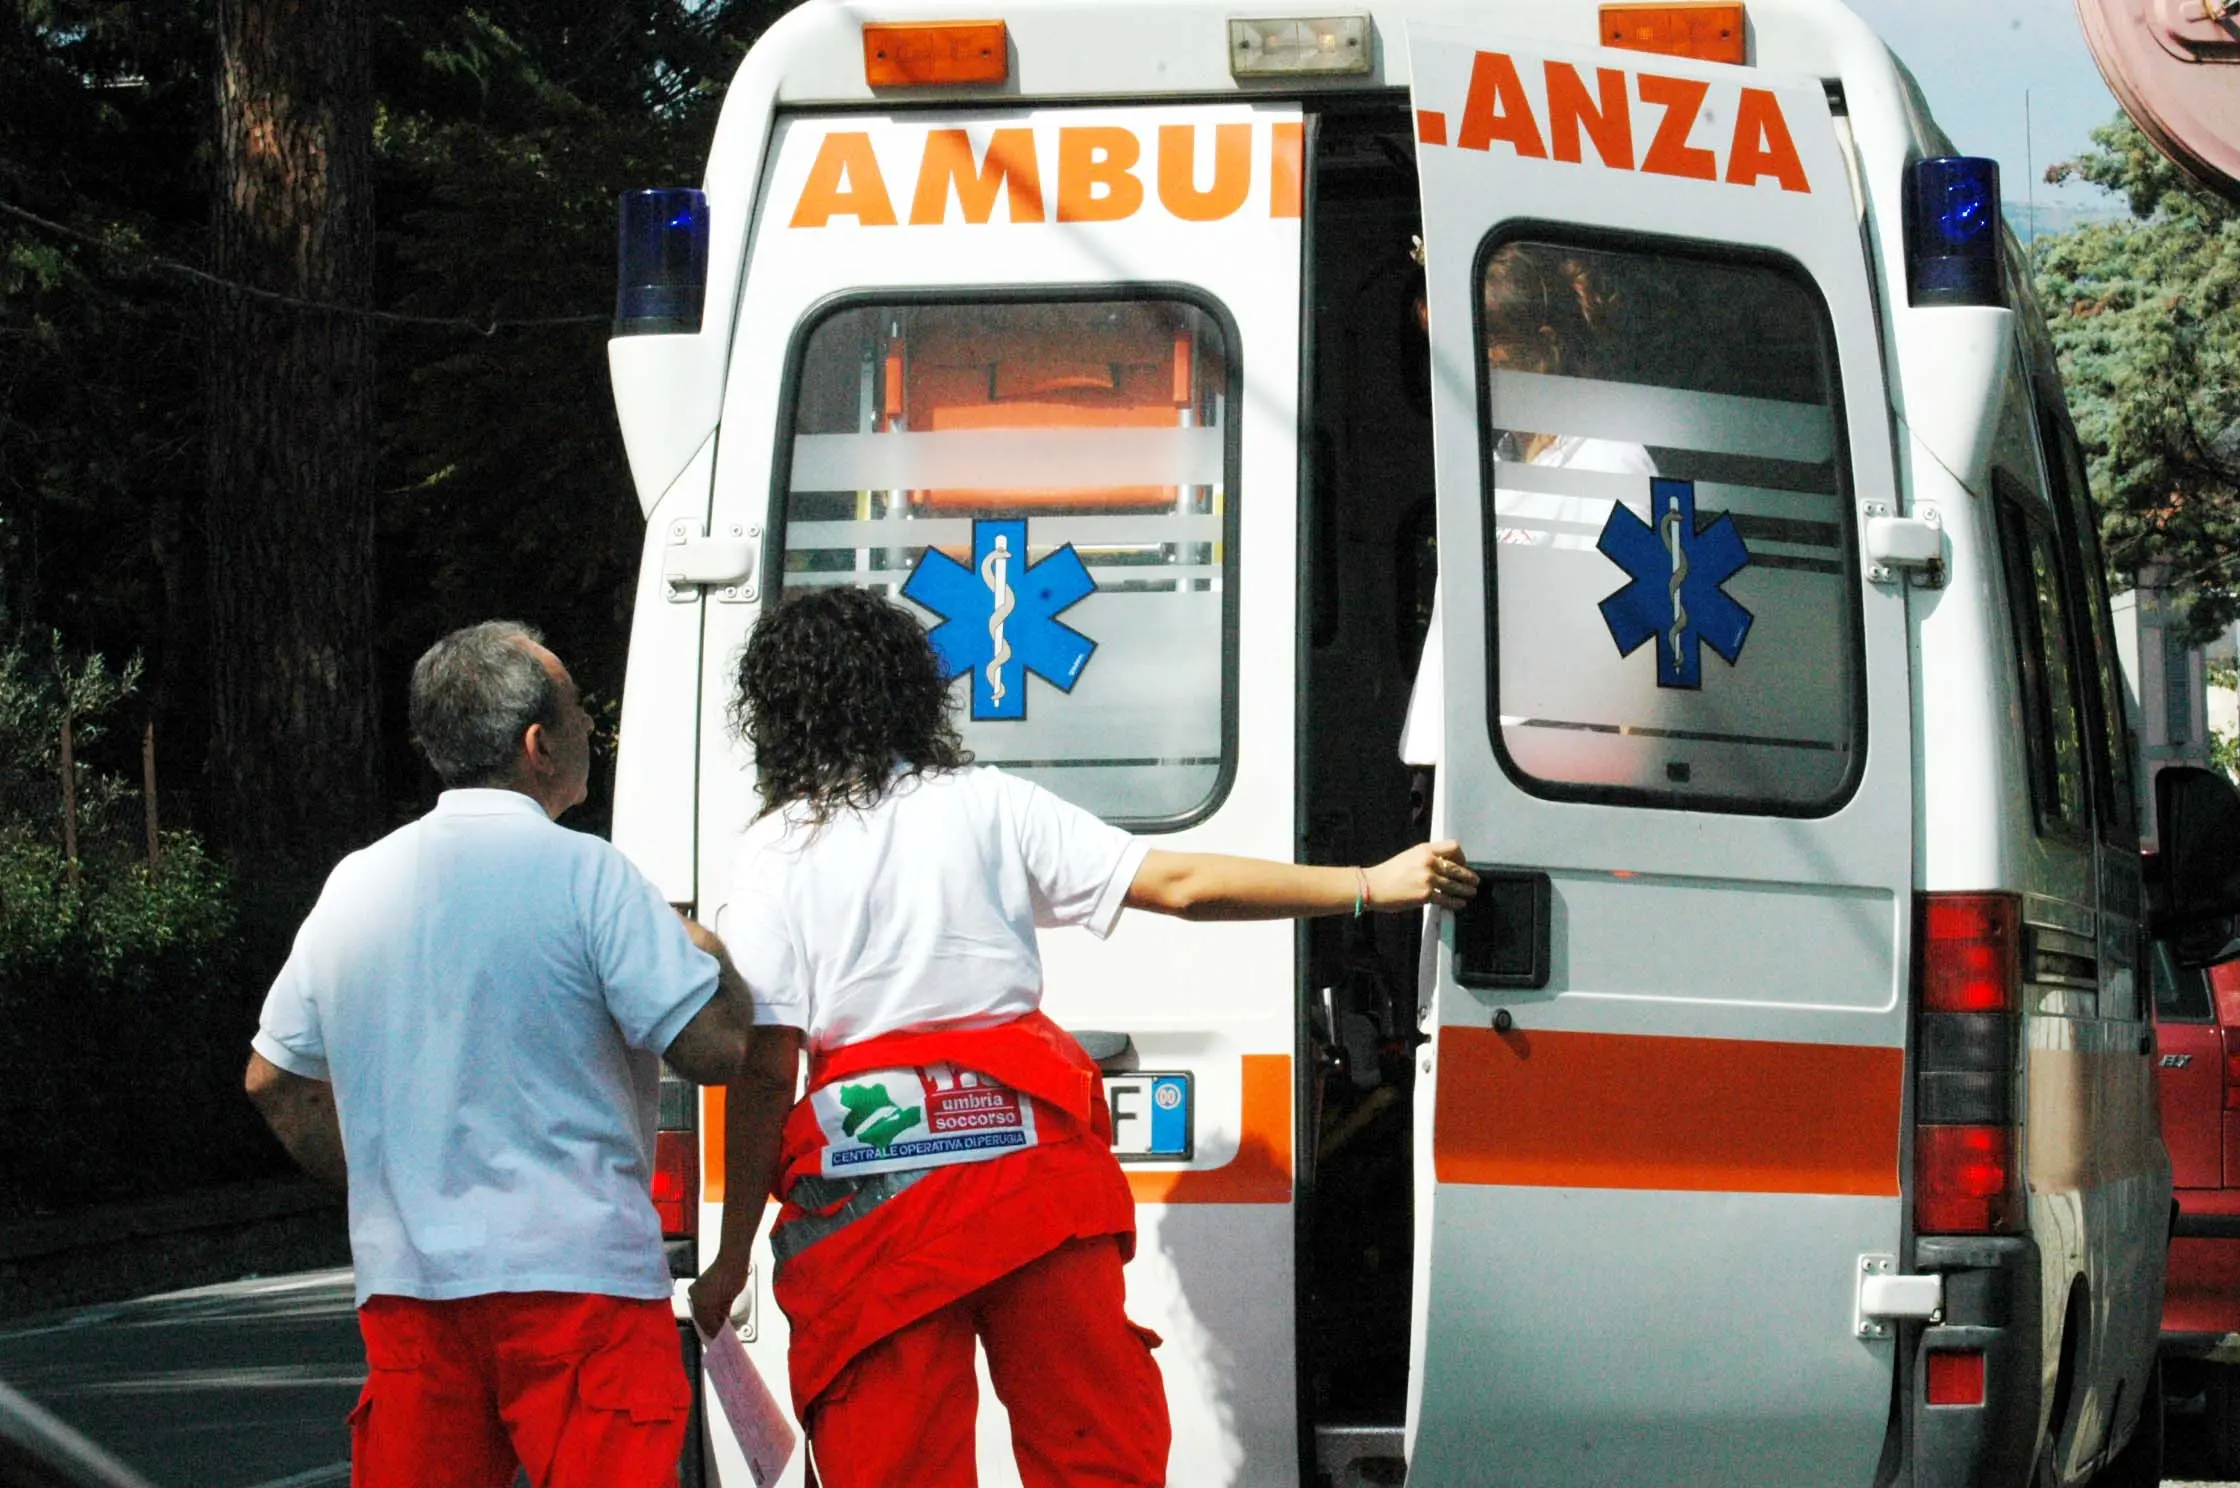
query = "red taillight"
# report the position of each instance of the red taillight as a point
(676, 1182)
(1969, 983)
(1964, 1180)
(1971, 952)
(1955, 1377)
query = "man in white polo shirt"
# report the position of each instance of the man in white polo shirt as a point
(468, 1036)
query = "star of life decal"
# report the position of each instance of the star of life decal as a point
(1675, 573)
(999, 616)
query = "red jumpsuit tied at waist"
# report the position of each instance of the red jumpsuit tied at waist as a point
(895, 1256)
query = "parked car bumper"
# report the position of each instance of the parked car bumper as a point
(2201, 1296)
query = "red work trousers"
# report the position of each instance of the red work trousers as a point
(583, 1391)
(1086, 1402)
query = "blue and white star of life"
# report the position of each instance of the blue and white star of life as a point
(1675, 574)
(999, 616)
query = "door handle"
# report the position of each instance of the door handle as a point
(1501, 936)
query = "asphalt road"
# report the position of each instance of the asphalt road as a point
(2185, 1462)
(245, 1385)
(242, 1385)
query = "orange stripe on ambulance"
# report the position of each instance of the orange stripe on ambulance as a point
(1498, 106)
(1101, 176)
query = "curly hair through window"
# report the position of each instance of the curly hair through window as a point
(1546, 306)
(836, 688)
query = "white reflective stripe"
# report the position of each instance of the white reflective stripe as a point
(1765, 501)
(1571, 507)
(1008, 459)
(1110, 576)
(1047, 531)
(1669, 417)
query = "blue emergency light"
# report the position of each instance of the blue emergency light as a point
(661, 255)
(1952, 231)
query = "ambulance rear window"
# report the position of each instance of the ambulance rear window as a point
(1671, 563)
(1049, 485)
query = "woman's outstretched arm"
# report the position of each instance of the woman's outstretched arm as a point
(1216, 886)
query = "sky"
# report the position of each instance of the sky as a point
(1976, 59)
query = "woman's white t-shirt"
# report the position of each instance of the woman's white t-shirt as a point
(1559, 521)
(921, 910)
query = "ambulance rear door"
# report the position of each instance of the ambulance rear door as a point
(1031, 374)
(1659, 1129)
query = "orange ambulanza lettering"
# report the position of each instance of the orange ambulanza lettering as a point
(1762, 146)
(1497, 109)
(1178, 178)
(1095, 174)
(844, 181)
(1670, 154)
(1286, 190)
(1570, 108)
(948, 163)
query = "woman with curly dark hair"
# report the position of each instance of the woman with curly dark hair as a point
(835, 687)
(948, 1176)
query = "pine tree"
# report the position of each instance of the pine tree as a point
(288, 390)
(2145, 314)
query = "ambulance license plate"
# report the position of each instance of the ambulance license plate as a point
(1151, 1116)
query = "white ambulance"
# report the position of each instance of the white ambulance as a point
(1618, 437)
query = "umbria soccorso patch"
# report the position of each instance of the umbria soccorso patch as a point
(894, 1120)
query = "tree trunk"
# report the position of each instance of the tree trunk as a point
(294, 763)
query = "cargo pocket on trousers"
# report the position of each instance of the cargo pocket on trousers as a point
(643, 1381)
(361, 1423)
(397, 1346)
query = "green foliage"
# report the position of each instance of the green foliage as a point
(105, 107)
(2224, 753)
(507, 133)
(2145, 314)
(122, 925)
(36, 698)
(126, 1026)
(505, 130)
(2224, 749)
(116, 978)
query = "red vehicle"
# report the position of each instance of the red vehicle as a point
(2197, 1017)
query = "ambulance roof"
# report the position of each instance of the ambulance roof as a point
(1121, 50)
(1071, 49)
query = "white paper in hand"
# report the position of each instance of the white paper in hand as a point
(765, 1435)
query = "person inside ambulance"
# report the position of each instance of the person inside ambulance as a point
(948, 1174)
(1545, 314)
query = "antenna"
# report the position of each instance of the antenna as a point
(2030, 180)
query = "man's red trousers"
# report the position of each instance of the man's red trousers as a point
(1085, 1398)
(583, 1391)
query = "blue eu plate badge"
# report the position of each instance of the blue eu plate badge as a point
(1152, 1116)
